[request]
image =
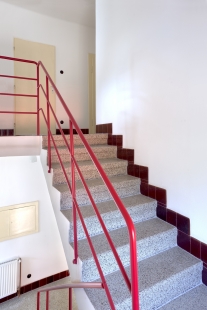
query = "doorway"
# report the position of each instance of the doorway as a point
(27, 124)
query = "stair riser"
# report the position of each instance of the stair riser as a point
(82, 154)
(100, 194)
(145, 248)
(89, 172)
(165, 291)
(92, 140)
(114, 220)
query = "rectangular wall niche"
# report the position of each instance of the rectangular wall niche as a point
(18, 220)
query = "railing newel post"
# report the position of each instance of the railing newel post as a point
(38, 102)
(48, 121)
(75, 260)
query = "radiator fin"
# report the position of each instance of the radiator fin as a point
(8, 278)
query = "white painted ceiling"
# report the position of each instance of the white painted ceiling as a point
(75, 11)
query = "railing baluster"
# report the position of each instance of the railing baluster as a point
(48, 120)
(70, 298)
(47, 300)
(38, 102)
(38, 300)
(73, 195)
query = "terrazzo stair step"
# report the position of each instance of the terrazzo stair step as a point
(100, 138)
(153, 236)
(101, 151)
(193, 299)
(111, 166)
(125, 185)
(162, 278)
(140, 208)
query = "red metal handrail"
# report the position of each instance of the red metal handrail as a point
(75, 205)
(119, 203)
(133, 286)
(69, 287)
(18, 77)
(17, 95)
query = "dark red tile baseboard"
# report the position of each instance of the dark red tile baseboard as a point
(204, 275)
(67, 131)
(185, 241)
(6, 132)
(104, 128)
(139, 172)
(34, 285)
(115, 140)
(154, 192)
(126, 154)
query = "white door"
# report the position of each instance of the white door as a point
(27, 124)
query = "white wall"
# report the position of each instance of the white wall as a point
(22, 180)
(151, 84)
(73, 42)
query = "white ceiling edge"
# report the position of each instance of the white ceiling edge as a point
(76, 11)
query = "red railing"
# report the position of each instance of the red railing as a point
(133, 284)
(69, 287)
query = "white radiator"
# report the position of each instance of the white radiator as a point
(10, 277)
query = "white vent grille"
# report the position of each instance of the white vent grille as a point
(9, 277)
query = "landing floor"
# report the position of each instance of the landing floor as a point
(27, 301)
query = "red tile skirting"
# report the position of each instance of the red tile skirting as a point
(126, 154)
(161, 212)
(184, 241)
(154, 192)
(139, 172)
(204, 252)
(104, 128)
(42, 282)
(182, 223)
(67, 131)
(204, 276)
(115, 140)
(195, 247)
(6, 132)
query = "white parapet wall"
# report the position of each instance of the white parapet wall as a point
(20, 146)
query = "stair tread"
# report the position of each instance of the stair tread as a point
(120, 236)
(98, 182)
(76, 136)
(152, 271)
(167, 263)
(109, 206)
(82, 147)
(193, 299)
(103, 161)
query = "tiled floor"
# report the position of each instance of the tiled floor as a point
(58, 299)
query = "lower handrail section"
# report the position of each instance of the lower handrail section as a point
(76, 285)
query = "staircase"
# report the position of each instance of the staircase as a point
(169, 277)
